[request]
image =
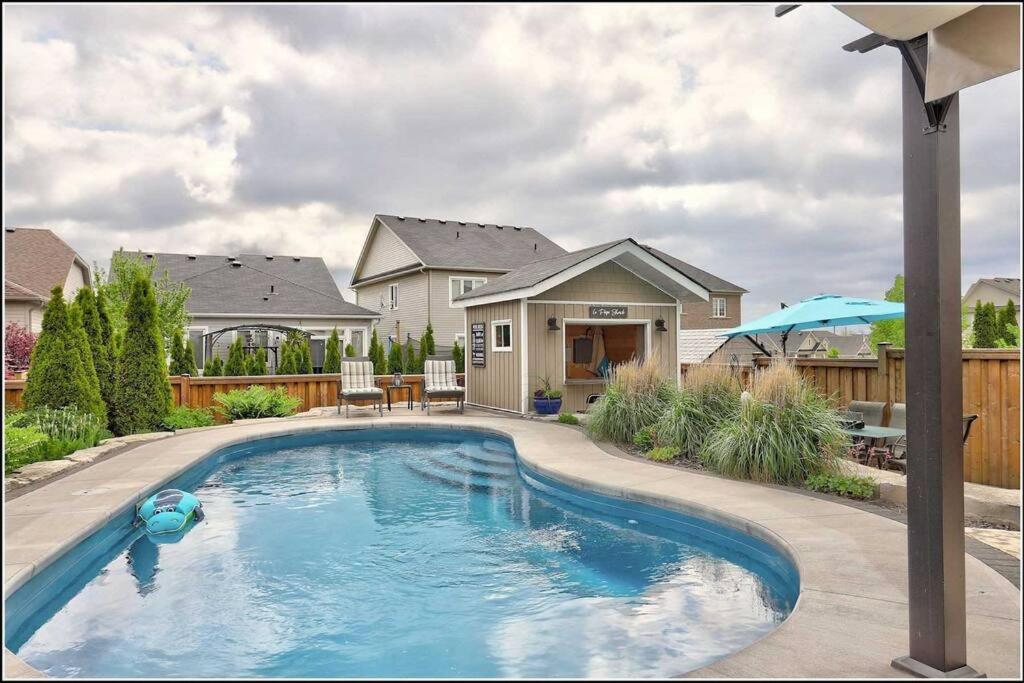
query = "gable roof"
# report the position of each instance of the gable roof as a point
(462, 245)
(1010, 285)
(542, 275)
(710, 282)
(302, 285)
(35, 261)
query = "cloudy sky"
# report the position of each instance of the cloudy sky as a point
(750, 146)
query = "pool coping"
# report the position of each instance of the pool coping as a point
(850, 619)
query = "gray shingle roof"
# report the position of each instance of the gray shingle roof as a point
(536, 272)
(465, 245)
(1010, 285)
(36, 260)
(710, 282)
(242, 285)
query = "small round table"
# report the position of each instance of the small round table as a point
(399, 388)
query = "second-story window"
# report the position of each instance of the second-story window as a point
(393, 297)
(461, 285)
(718, 307)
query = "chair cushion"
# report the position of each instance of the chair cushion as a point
(451, 389)
(369, 391)
(439, 373)
(357, 375)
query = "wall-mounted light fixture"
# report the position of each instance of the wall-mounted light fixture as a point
(553, 324)
(659, 325)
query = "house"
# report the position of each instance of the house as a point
(567, 319)
(697, 346)
(995, 290)
(262, 297)
(35, 261)
(410, 269)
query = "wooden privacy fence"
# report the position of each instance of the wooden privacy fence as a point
(991, 386)
(197, 392)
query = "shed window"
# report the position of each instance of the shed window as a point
(501, 335)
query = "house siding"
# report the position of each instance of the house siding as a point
(77, 278)
(386, 253)
(447, 321)
(697, 316)
(499, 383)
(607, 283)
(413, 305)
(986, 293)
(26, 314)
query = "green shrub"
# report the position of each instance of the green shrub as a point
(65, 430)
(256, 401)
(184, 417)
(1006, 325)
(985, 325)
(332, 353)
(350, 352)
(636, 396)
(459, 356)
(410, 360)
(427, 348)
(662, 454)
(645, 439)
(710, 394)
(863, 488)
(396, 362)
(214, 367)
(255, 364)
(784, 433)
(84, 351)
(142, 392)
(177, 350)
(304, 359)
(235, 365)
(58, 376)
(568, 419)
(97, 328)
(287, 362)
(190, 366)
(376, 354)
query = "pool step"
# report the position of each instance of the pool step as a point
(465, 466)
(459, 480)
(503, 460)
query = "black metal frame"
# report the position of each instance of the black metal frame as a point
(211, 338)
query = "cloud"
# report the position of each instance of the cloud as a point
(753, 147)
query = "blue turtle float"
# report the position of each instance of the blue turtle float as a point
(170, 512)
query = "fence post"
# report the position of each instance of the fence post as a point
(184, 390)
(883, 378)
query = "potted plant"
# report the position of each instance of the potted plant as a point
(547, 401)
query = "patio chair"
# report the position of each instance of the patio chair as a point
(896, 456)
(870, 412)
(439, 382)
(357, 384)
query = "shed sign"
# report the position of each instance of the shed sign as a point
(477, 344)
(608, 312)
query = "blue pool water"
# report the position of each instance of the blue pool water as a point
(405, 553)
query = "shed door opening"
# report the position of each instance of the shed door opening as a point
(593, 349)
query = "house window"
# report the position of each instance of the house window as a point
(718, 307)
(393, 297)
(457, 286)
(195, 335)
(460, 339)
(501, 335)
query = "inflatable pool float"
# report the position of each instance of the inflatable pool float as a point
(169, 512)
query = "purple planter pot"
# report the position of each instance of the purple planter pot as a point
(547, 406)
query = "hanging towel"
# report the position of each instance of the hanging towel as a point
(598, 356)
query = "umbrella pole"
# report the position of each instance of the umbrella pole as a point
(935, 484)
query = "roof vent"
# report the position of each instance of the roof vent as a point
(266, 298)
(441, 221)
(230, 259)
(401, 218)
(462, 222)
(191, 257)
(517, 229)
(296, 259)
(9, 229)
(269, 258)
(236, 264)
(480, 225)
(422, 220)
(149, 256)
(499, 227)
(456, 234)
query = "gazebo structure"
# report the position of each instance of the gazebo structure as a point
(945, 48)
(264, 336)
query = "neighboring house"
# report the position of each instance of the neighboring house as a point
(721, 311)
(262, 297)
(698, 346)
(996, 290)
(35, 261)
(817, 344)
(410, 270)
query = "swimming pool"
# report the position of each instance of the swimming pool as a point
(400, 552)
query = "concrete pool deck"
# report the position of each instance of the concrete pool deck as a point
(850, 621)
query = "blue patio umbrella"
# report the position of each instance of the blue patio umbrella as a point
(823, 310)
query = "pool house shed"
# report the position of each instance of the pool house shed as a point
(568, 320)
